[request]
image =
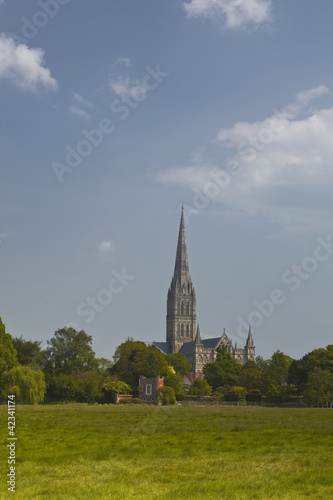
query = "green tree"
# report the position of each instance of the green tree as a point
(319, 388)
(223, 372)
(27, 384)
(250, 376)
(200, 387)
(179, 362)
(166, 395)
(275, 378)
(133, 359)
(110, 389)
(8, 357)
(29, 352)
(65, 388)
(71, 351)
(175, 381)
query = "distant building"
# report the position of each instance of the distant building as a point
(148, 387)
(182, 332)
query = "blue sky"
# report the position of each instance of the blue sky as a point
(115, 113)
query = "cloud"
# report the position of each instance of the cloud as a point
(80, 104)
(123, 60)
(81, 100)
(280, 166)
(124, 87)
(75, 110)
(230, 13)
(24, 66)
(105, 246)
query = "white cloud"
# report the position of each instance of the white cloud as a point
(24, 66)
(231, 13)
(123, 60)
(105, 246)
(75, 110)
(280, 166)
(124, 87)
(81, 100)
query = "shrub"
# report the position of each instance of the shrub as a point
(166, 395)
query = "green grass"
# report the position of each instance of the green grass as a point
(124, 452)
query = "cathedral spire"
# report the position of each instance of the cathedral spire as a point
(198, 336)
(249, 342)
(181, 265)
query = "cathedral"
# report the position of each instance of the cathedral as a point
(182, 331)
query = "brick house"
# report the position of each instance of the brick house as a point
(148, 387)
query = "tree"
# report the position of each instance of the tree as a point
(200, 387)
(71, 351)
(319, 388)
(166, 395)
(275, 378)
(110, 389)
(27, 384)
(179, 362)
(223, 372)
(29, 352)
(250, 376)
(8, 357)
(133, 359)
(175, 381)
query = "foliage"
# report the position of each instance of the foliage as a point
(133, 359)
(223, 371)
(200, 387)
(27, 384)
(71, 351)
(250, 376)
(175, 381)
(319, 388)
(275, 378)
(29, 352)
(110, 389)
(166, 395)
(179, 362)
(236, 394)
(8, 357)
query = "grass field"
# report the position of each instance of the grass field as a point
(124, 452)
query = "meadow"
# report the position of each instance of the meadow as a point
(182, 452)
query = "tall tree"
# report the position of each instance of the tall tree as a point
(223, 372)
(133, 359)
(319, 388)
(179, 362)
(71, 351)
(29, 352)
(8, 357)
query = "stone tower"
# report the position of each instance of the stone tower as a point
(181, 303)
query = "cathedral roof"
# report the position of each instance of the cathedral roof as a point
(211, 342)
(162, 346)
(187, 348)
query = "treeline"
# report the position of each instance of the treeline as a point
(68, 370)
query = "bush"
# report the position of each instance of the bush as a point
(166, 395)
(180, 396)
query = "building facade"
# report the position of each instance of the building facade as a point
(182, 332)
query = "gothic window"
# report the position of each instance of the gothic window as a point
(148, 389)
(182, 309)
(182, 330)
(187, 330)
(188, 309)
